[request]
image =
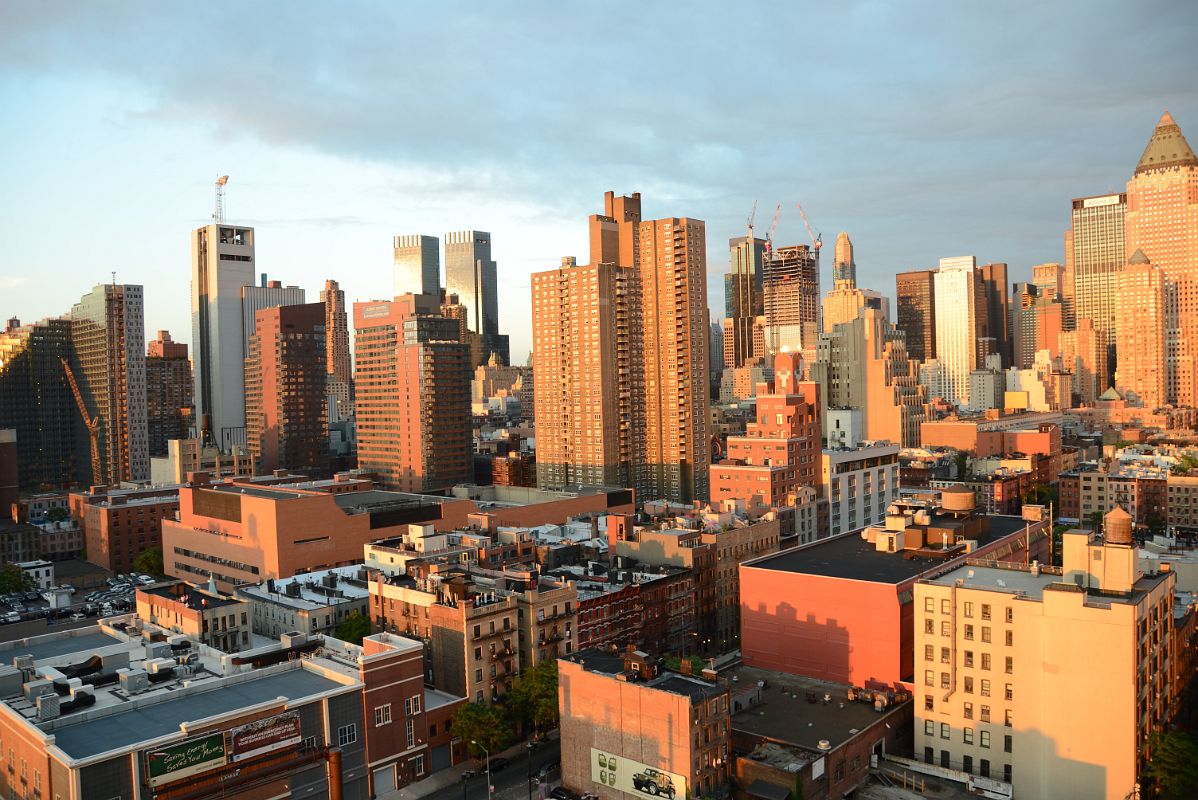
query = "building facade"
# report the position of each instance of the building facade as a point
(417, 260)
(790, 290)
(915, 315)
(859, 484)
(36, 402)
(169, 386)
(471, 275)
(1146, 340)
(957, 312)
(339, 380)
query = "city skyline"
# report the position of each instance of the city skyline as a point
(326, 198)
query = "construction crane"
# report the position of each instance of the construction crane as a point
(816, 241)
(91, 423)
(218, 216)
(752, 217)
(769, 240)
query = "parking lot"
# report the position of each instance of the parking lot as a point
(115, 597)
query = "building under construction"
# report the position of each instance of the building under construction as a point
(790, 289)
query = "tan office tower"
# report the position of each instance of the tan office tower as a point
(790, 287)
(583, 373)
(844, 268)
(108, 334)
(915, 314)
(1094, 257)
(417, 264)
(649, 281)
(1162, 221)
(338, 366)
(412, 381)
(1084, 353)
(1147, 311)
(846, 302)
(286, 400)
(742, 297)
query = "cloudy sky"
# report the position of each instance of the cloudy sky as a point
(923, 133)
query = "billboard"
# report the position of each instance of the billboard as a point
(635, 778)
(185, 759)
(265, 736)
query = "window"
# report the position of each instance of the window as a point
(929, 678)
(969, 610)
(985, 713)
(968, 735)
(945, 606)
(1010, 612)
(985, 768)
(985, 661)
(969, 711)
(411, 705)
(1010, 665)
(985, 633)
(944, 655)
(1009, 692)
(382, 715)
(969, 658)
(969, 685)
(1006, 743)
(967, 763)
(929, 704)
(969, 632)
(985, 611)
(1009, 638)
(929, 652)
(1007, 718)
(347, 734)
(943, 680)
(985, 740)
(1006, 772)
(946, 628)
(410, 731)
(929, 626)
(945, 731)
(929, 727)
(985, 687)
(929, 755)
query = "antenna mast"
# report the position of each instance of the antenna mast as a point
(218, 216)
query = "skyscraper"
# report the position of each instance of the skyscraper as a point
(286, 411)
(1084, 353)
(471, 275)
(957, 297)
(993, 312)
(417, 264)
(743, 301)
(846, 302)
(338, 364)
(844, 268)
(36, 401)
(1147, 312)
(412, 382)
(620, 355)
(916, 312)
(1094, 257)
(790, 288)
(1037, 318)
(108, 334)
(222, 263)
(1162, 222)
(168, 392)
(267, 294)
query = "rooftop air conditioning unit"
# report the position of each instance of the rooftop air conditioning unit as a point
(47, 707)
(133, 680)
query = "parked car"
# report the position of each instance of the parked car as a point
(562, 793)
(32, 597)
(499, 763)
(548, 769)
(78, 616)
(11, 617)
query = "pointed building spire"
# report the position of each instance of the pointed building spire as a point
(1167, 148)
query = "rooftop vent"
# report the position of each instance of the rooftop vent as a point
(47, 707)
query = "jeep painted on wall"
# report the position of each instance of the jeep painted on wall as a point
(654, 782)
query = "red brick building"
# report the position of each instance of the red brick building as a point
(121, 524)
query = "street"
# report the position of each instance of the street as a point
(510, 783)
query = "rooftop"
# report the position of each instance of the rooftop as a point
(799, 711)
(850, 556)
(194, 597)
(1017, 579)
(313, 590)
(263, 492)
(604, 662)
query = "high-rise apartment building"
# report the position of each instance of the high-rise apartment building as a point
(108, 334)
(1094, 256)
(863, 364)
(222, 263)
(1162, 221)
(779, 454)
(267, 294)
(993, 311)
(790, 289)
(412, 380)
(338, 365)
(1036, 321)
(417, 264)
(169, 386)
(916, 312)
(471, 275)
(743, 302)
(286, 412)
(844, 267)
(1084, 353)
(620, 355)
(957, 295)
(1147, 312)
(1005, 667)
(36, 402)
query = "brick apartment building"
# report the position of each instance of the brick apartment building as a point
(121, 524)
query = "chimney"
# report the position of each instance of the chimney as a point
(263, 282)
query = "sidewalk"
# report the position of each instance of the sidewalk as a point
(452, 776)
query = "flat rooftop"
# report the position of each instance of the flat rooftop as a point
(90, 737)
(47, 647)
(603, 662)
(1021, 582)
(377, 499)
(783, 711)
(264, 492)
(193, 597)
(313, 593)
(851, 557)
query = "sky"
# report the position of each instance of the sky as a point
(923, 129)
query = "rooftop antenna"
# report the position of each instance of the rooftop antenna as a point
(218, 216)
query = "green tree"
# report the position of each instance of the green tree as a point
(150, 562)
(474, 722)
(1173, 767)
(1156, 526)
(532, 700)
(15, 579)
(355, 627)
(58, 514)
(1095, 518)
(1040, 495)
(962, 466)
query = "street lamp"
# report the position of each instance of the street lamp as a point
(528, 749)
(490, 790)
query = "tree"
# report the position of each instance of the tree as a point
(1156, 526)
(474, 722)
(532, 700)
(150, 562)
(355, 627)
(1173, 766)
(58, 514)
(1040, 495)
(15, 579)
(962, 466)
